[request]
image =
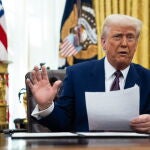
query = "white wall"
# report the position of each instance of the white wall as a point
(33, 37)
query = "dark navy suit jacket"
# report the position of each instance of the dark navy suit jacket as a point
(70, 113)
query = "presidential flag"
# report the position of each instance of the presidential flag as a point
(3, 35)
(78, 32)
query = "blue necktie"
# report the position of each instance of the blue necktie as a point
(115, 85)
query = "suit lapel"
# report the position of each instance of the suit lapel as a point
(132, 77)
(96, 80)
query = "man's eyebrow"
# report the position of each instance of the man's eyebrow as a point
(123, 34)
(117, 34)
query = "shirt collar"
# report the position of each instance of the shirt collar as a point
(109, 70)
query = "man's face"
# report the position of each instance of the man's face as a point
(120, 44)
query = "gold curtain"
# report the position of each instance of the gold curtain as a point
(136, 8)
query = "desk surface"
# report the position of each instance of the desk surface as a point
(7, 143)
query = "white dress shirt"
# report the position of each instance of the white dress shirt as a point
(39, 114)
(109, 75)
(109, 78)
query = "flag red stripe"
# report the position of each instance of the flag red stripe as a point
(3, 37)
(65, 48)
(69, 51)
(65, 44)
(72, 49)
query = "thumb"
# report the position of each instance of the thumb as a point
(57, 85)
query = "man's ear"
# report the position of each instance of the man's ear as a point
(103, 41)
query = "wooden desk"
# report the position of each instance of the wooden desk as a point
(6, 143)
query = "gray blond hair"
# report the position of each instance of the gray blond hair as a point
(122, 20)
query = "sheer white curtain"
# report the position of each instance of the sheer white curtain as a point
(33, 37)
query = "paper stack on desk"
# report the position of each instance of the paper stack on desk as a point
(52, 135)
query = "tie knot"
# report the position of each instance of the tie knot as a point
(118, 74)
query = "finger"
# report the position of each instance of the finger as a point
(33, 77)
(141, 125)
(141, 119)
(56, 86)
(29, 83)
(37, 73)
(44, 73)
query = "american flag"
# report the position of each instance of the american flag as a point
(3, 36)
(68, 47)
(3, 50)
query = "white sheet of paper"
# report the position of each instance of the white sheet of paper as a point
(42, 135)
(113, 134)
(112, 111)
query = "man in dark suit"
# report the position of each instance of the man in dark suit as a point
(119, 39)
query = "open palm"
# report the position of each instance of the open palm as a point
(43, 92)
